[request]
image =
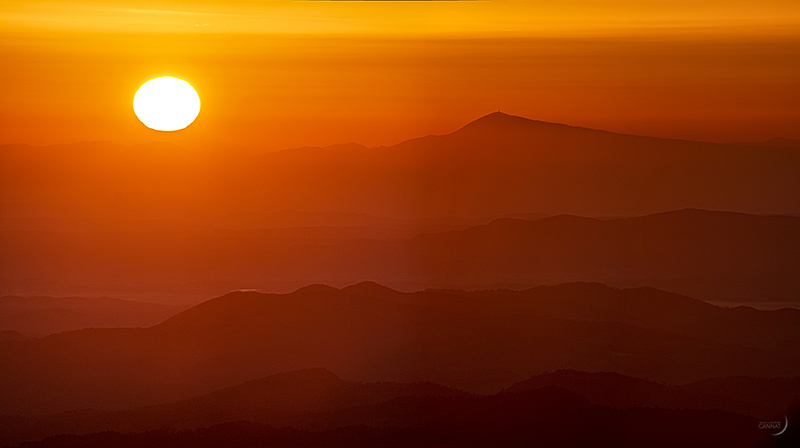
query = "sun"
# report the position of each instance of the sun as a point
(166, 104)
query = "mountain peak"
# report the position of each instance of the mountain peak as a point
(317, 288)
(499, 115)
(499, 119)
(303, 377)
(503, 123)
(781, 142)
(372, 289)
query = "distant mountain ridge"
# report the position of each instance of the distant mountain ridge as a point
(102, 219)
(318, 399)
(711, 255)
(702, 253)
(761, 397)
(498, 164)
(467, 340)
(46, 315)
(778, 142)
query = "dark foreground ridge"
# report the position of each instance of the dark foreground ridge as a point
(512, 420)
(710, 255)
(480, 341)
(425, 413)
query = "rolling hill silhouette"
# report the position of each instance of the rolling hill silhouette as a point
(767, 398)
(159, 221)
(496, 165)
(621, 428)
(716, 256)
(446, 337)
(711, 255)
(316, 399)
(503, 164)
(307, 398)
(46, 315)
(593, 302)
(513, 160)
(11, 335)
(774, 396)
(503, 201)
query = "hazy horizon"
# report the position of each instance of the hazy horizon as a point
(779, 140)
(399, 223)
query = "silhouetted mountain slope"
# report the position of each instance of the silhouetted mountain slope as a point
(479, 341)
(767, 398)
(372, 289)
(774, 396)
(777, 142)
(620, 391)
(709, 255)
(501, 163)
(318, 400)
(552, 427)
(11, 335)
(47, 315)
(308, 398)
(498, 164)
(593, 302)
(157, 220)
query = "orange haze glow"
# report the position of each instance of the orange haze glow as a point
(382, 72)
(379, 222)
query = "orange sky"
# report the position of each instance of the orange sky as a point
(281, 74)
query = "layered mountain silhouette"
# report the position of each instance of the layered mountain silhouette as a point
(307, 398)
(39, 316)
(715, 256)
(711, 255)
(622, 428)
(767, 398)
(480, 341)
(632, 237)
(779, 142)
(498, 164)
(157, 221)
(318, 400)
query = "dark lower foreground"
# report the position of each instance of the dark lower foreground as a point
(480, 341)
(488, 426)
(709, 255)
(658, 370)
(316, 408)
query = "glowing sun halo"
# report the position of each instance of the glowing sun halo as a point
(166, 104)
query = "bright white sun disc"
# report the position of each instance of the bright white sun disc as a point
(166, 104)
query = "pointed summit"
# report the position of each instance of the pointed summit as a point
(781, 142)
(498, 118)
(504, 124)
(372, 289)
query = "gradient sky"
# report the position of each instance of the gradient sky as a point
(278, 74)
